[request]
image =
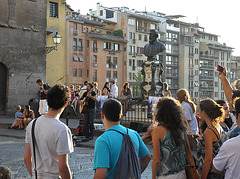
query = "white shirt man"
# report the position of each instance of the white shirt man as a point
(114, 89)
(53, 139)
(228, 157)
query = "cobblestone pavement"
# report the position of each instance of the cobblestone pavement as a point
(81, 161)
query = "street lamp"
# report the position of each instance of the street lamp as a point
(56, 40)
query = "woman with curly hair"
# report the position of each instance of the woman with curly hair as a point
(212, 138)
(169, 154)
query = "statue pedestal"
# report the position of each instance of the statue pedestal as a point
(151, 72)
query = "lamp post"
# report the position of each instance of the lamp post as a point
(56, 40)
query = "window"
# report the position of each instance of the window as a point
(216, 94)
(115, 75)
(95, 75)
(95, 61)
(139, 36)
(87, 73)
(75, 58)
(222, 95)
(108, 76)
(80, 46)
(216, 84)
(87, 43)
(210, 37)
(74, 72)
(107, 45)
(130, 62)
(196, 61)
(109, 14)
(196, 72)
(139, 63)
(133, 35)
(74, 44)
(80, 57)
(130, 76)
(101, 13)
(117, 47)
(75, 26)
(108, 63)
(80, 73)
(203, 36)
(130, 35)
(95, 46)
(145, 38)
(87, 58)
(196, 94)
(53, 9)
(169, 82)
(115, 62)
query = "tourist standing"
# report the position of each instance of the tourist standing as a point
(106, 89)
(96, 90)
(212, 138)
(89, 113)
(114, 89)
(53, 139)
(126, 92)
(169, 154)
(166, 92)
(83, 89)
(43, 106)
(108, 146)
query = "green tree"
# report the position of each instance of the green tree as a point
(137, 85)
(118, 33)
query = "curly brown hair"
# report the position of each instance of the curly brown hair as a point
(170, 115)
(213, 110)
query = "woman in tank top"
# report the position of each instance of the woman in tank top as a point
(106, 89)
(169, 153)
(166, 92)
(28, 115)
(212, 138)
(126, 92)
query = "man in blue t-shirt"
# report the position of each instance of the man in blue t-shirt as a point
(108, 145)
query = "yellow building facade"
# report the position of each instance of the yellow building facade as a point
(56, 67)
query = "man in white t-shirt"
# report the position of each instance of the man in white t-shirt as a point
(228, 157)
(53, 139)
(114, 89)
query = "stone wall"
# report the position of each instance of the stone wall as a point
(22, 48)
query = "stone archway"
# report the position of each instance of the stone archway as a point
(3, 88)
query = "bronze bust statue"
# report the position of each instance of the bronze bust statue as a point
(154, 47)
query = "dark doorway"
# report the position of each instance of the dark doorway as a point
(3, 88)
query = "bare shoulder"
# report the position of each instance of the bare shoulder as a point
(159, 131)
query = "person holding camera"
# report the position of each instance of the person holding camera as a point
(43, 106)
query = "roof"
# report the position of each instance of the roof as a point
(106, 37)
(84, 20)
(142, 17)
(201, 32)
(175, 16)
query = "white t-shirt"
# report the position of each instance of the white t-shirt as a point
(114, 91)
(53, 138)
(228, 158)
(188, 114)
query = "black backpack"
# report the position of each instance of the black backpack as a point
(128, 165)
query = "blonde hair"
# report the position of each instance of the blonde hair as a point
(183, 95)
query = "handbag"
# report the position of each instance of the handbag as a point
(190, 168)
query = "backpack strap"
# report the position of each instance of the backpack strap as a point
(34, 143)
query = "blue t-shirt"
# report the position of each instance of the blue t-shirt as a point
(18, 114)
(108, 147)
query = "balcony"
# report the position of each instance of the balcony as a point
(75, 32)
(142, 29)
(172, 28)
(112, 52)
(208, 57)
(186, 42)
(206, 88)
(205, 77)
(209, 67)
(139, 54)
(95, 64)
(95, 49)
(174, 52)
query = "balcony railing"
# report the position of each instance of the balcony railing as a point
(191, 65)
(191, 54)
(172, 74)
(134, 54)
(207, 87)
(142, 29)
(209, 57)
(175, 52)
(204, 77)
(186, 42)
(207, 67)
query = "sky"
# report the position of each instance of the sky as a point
(216, 16)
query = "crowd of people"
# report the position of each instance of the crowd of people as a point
(211, 129)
